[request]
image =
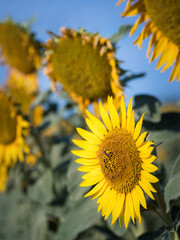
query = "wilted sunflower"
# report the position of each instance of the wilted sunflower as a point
(21, 52)
(118, 162)
(163, 24)
(12, 144)
(85, 65)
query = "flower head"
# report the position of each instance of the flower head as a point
(118, 162)
(162, 23)
(85, 65)
(21, 52)
(12, 144)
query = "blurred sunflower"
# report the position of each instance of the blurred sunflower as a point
(20, 50)
(163, 24)
(118, 162)
(20, 95)
(3, 177)
(85, 65)
(12, 144)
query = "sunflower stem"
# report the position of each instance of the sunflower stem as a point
(35, 134)
(160, 201)
(162, 206)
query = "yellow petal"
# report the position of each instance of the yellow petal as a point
(141, 139)
(86, 168)
(94, 129)
(138, 127)
(95, 189)
(91, 180)
(99, 125)
(87, 161)
(141, 196)
(113, 113)
(129, 204)
(130, 123)
(118, 206)
(145, 145)
(95, 172)
(147, 153)
(146, 189)
(121, 218)
(86, 145)
(105, 117)
(126, 214)
(149, 177)
(149, 167)
(135, 200)
(90, 137)
(123, 113)
(100, 192)
(150, 159)
(84, 153)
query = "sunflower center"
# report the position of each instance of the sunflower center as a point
(165, 15)
(120, 161)
(16, 47)
(7, 122)
(81, 69)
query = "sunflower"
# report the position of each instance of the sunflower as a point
(12, 144)
(21, 52)
(20, 94)
(118, 162)
(163, 24)
(3, 177)
(85, 65)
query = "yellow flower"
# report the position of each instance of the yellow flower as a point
(118, 162)
(85, 65)
(20, 93)
(37, 115)
(21, 52)
(12, 144)
(162, 23)
(3, 177)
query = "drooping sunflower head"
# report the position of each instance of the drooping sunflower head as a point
(163, 24)
(85, 65)
(118, 162)
(18, 48)
(12, 144)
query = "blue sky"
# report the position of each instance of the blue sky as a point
(95, 16)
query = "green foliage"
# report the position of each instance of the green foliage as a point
(170, 190)
(123, 30)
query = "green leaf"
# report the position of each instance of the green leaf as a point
(148, 104)
(171, 191)
(41, 190)
(123, 30)
(83, 216)
(76, 193)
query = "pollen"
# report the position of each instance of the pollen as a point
(120, 161)
(165, 15)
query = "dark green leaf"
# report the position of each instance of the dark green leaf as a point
(171, 191)
(83, 216)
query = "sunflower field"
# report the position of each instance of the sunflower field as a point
(90, 122)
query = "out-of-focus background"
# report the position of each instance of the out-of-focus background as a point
(40, 198)
(95, 16)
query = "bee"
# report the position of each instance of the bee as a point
(107, 153)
